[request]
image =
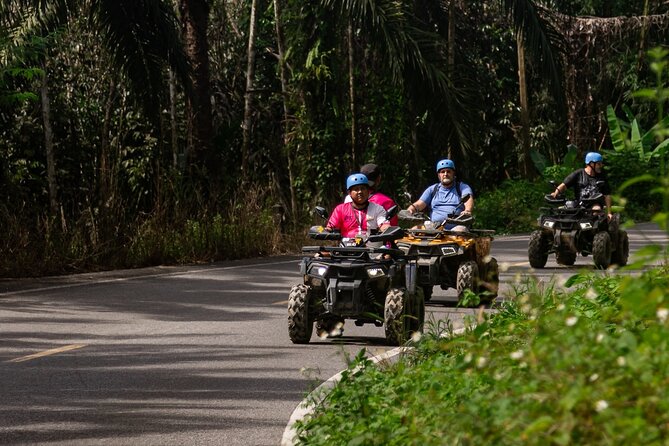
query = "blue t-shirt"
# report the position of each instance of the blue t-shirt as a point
(445, 200)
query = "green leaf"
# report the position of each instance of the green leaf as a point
(538, 426)
(636, 140)
(646, 93)
(617, 137)
(640, 179)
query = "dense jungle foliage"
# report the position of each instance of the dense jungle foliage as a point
(135, 133)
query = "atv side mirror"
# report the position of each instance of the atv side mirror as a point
(321, 212)
(390, 213)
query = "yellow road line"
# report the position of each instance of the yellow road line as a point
(52, 351)
(281, 302)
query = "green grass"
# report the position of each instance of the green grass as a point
(583, 366)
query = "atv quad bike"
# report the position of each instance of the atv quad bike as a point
(568, 228)
(452, 259)
(369, 284)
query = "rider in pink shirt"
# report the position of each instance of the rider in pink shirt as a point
(359, 215)
(373, 174)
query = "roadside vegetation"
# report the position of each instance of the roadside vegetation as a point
(583, 364)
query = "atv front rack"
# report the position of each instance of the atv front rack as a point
(355, 252)
(433, 233)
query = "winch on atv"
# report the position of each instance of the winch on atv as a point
(571, 227)
(358, 281)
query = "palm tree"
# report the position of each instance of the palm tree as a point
(142, 37)
(416, 41)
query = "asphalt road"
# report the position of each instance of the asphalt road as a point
(175, 356)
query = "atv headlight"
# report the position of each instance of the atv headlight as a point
(449, 250)
(549, 224)
(318, 270)
(375, 272)
(585, 225)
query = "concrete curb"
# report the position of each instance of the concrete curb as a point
(305, 408)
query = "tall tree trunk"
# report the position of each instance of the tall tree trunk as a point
(104, 180)
(173, 120)
(283, 74)
(48, 142)
(248, 96)
(351, 91)
(526, 160)
(451, 57)
(195, 19)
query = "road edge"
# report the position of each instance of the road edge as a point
(306, 406)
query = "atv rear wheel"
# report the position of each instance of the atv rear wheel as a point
(565, 257)
(601, 250)
(300, 323)
(468, 273)
(403, 314)
(537, 250)
(622, 251)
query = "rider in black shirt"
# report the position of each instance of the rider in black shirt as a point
(589, 181)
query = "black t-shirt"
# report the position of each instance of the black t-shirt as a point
(586, 186)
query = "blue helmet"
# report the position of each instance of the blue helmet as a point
(355, 180)
(593, 157)
(445, 164)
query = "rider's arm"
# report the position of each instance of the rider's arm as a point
(559, 190)
(417, 206)
(381, 218)
(608, 203)
(335, 219)
(469, 205)
(569, 181)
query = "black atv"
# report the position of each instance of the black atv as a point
(570, 227)
(355, 280)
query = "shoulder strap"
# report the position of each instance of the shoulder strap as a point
(434, 191)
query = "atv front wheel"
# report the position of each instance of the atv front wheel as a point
(565, 257)
(601, 250)
(468, 273)
(300, 323)
(622, 251)
(537, 249)
(403, 314)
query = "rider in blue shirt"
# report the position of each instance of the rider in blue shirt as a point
(443, 198)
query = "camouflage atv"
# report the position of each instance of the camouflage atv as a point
(452, 259)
